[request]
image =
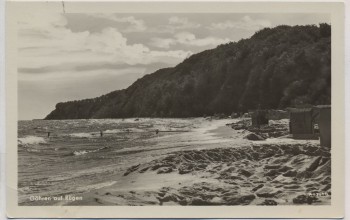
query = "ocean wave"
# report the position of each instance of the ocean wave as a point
(172, 128)
(82, 152)
(32, 150)
(31, 140)
(113, 131)
(145, 126)
(124, 130)
(82, 135)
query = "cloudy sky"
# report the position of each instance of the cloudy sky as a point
(65, 57)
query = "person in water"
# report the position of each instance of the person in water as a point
(157, 131)
(101, 133)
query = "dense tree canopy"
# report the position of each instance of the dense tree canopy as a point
(276, 68)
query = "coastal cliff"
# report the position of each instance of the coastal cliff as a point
(275, 68)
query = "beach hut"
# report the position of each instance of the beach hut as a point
(324, 123)
(301, 123)
(259, 117)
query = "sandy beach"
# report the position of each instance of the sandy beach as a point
(209, 163)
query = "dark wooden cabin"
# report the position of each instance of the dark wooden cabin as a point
(259, 117)
(302, 122)
(325, 124)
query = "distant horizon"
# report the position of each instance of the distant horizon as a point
(80, 56)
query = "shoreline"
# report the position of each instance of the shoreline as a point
(161, 186)
(204, 165)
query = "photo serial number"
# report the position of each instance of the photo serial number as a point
(56, 198)
(319, 194)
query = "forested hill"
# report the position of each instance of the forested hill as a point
(276, 68)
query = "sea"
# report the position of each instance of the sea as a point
(62, 157)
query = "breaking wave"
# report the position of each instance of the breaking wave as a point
(82, 135)
(31, 140)
(82, 152)
(124, 130)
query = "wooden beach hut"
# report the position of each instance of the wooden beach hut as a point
(324, 123)
(259, 117)
(301, 123)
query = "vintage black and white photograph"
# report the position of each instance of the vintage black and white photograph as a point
(174, 109)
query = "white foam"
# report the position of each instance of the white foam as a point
(125, 130)
(113, 131)
(82, 135)
(30, 140)
(135, 130)
(32, 150)
(82, 152)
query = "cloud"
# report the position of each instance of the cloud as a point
(83, 67)
(174, 24)
(133, 24)
(182, 23)
(188, 39)
(162, 42)
(50, 44)
(73, 75)
(246, 23)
